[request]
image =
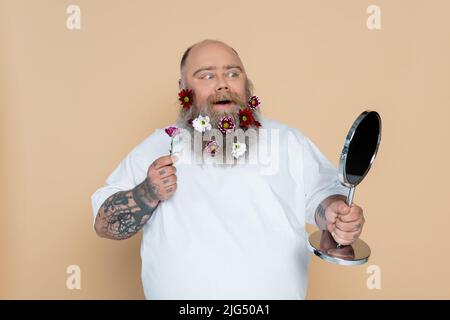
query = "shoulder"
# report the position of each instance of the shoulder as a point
(285, 131)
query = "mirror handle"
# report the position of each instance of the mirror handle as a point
(350, 196)
(349, 202)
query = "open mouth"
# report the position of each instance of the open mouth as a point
(223, 102)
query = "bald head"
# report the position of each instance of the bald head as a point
(200, 44)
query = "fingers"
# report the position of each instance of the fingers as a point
(340, 240)
(347, 236)
(347, 233)
(350, 226)
(344, 238)
(169, 191)
(343, 208)
(355, 213)
(169, 181)
(166, 171)
(337, 208)
(164, 161)
(162, 176)
(166, 187)
(345, 222)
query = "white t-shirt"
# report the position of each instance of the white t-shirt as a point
(229, 233)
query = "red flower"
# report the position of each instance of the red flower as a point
(185, 97)
(253, 102)
(246, 118)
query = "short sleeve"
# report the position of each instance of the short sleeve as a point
(132, 170)
(320, 179)
(122, 178)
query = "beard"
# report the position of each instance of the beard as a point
(215, 109)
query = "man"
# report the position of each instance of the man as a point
(224, 231)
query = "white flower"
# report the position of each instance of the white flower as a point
(238, 149)
(201, 123)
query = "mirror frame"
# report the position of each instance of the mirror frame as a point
(343, 158)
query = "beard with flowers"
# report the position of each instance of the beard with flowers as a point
(221, 136)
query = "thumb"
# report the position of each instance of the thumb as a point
(340, 207)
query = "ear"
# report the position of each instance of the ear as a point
(179, 84)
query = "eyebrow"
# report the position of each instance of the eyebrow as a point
(227, 67)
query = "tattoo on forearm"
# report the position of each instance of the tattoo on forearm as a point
(126, 212)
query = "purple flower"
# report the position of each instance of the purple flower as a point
(172, 131)
(254, 102)
(211, 147)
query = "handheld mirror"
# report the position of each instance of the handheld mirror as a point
(357, 156)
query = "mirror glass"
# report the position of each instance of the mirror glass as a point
(360, 148)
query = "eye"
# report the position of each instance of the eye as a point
(233, 74)
(208, 76)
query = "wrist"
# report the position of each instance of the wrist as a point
(320, 216)
(143, 193)
(329, 200)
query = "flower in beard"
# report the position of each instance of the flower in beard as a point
(226, 124)
(254, 102)
(185, 97)
(211, 147)
(246, 118)
(201, 123)
(238, 149)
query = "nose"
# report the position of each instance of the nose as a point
(222, 85)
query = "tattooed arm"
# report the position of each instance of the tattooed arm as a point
(124, 213)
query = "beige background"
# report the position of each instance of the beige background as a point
(74, 103)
